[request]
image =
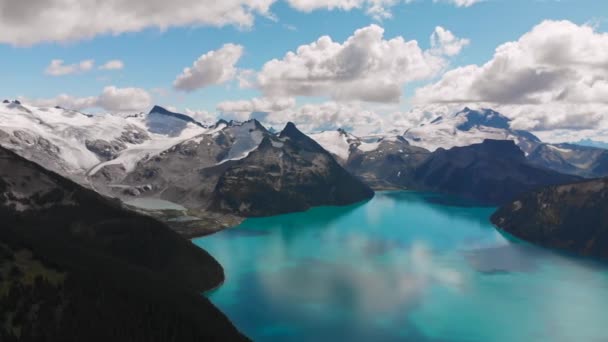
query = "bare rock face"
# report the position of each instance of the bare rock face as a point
(572, 217)
(244, 169)
(493, 172)
(584, 161)
(286, 174)
(388, 166)
(105, 150)
(109, 150)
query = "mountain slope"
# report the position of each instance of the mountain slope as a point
(468, 127)
(572, 159)
(199, 173)
(389, 165)
(382, 162)
(75, 266)
(286, 174)
(492, 172)
(571, 217)
(75, 144)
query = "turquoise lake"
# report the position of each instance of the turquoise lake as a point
(404, 266)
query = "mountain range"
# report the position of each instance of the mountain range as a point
(219, 173)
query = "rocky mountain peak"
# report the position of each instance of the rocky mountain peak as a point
(304, 141)
(163, 111)
(506, 149)
(483, 117)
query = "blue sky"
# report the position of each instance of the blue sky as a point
(153, 58)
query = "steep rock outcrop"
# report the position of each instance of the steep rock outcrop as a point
(572, 217)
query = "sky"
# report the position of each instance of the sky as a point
(364, 65)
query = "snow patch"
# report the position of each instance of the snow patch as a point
(334, 142)
(368, 147)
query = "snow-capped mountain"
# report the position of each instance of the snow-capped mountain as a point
(238, 168)
(380, 161)
(229, 167)
(76, 145)
(343, 144)
(468, 127)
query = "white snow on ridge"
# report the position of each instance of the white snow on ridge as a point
(247, 139)
(558, 149)
(334, 142)
(68, 130)
(368, 147)
(444, 133)
(149, 149)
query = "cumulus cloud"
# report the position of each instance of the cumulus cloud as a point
(446, 43)
(214, 67)
(460, 3)
(25, 23)
(326, 116)
(115, 64)
(553, 77)
(201, 115)
(366, 67)
(378, 9)
(65, 101)
(111, 99)
(116, 99)
(57, 67)
(256, 105)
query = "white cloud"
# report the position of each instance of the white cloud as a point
(553, 77)
(124, 99)
(58, 68)
(201, 115)
(115, 64)
(446, 43)
(65, 101)
(378, 9)
(214, 67)
(319, 117)
(460, 3)
(24, 23)
(366, 67)
(111, 99)
(256, 105)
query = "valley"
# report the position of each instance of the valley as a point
(153, 180)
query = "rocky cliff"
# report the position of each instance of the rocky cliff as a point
(572, 217)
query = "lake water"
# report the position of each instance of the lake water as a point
(402, 267)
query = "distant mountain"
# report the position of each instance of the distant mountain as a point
(66, 141)
(468, 127)
(382, 162)
(589, 162)
(239, 168)
(387, 163)
(571, 217)
(287, 173)
(171, 156)
(75, 266)
(591, 143)
(72, 143)
(492, 172)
